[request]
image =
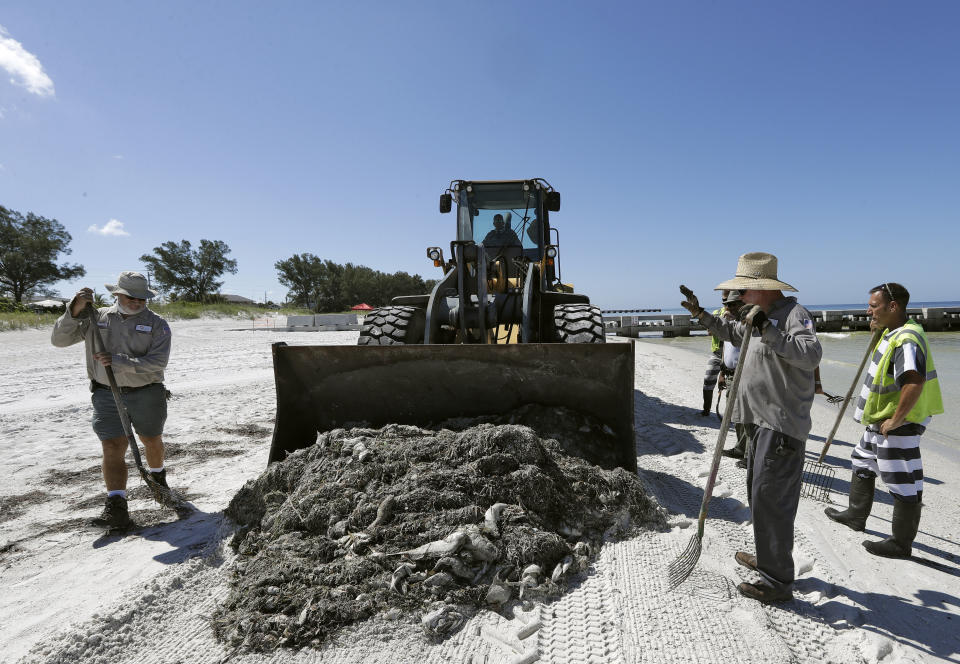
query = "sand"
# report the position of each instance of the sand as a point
(73, 595)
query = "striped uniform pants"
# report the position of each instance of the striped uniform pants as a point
(714, 364)
(896, 459)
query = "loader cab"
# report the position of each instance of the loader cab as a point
(508, 218)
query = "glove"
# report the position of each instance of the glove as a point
(691, 304)
(754, 315)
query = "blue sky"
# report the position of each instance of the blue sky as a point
(680, 134)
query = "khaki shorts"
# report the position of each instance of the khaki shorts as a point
(147, 408)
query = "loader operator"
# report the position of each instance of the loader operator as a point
(137, 345)
(900, 394)
(773, 403)
(501, 235)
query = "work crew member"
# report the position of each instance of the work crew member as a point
(773, 403)
(502, 234)
(900, 394)
(137, 347)
(729, 356)
(714, 362)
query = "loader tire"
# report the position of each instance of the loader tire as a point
(578, 324)
(392, 326)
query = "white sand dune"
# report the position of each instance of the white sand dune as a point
(70, 595)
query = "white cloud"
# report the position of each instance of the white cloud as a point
(112, 227)
(24, 68)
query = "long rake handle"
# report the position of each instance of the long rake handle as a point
(846, 400)
(724, 426)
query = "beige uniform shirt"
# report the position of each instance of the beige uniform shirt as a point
(139, 344)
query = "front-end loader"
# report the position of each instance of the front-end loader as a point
(498, 331)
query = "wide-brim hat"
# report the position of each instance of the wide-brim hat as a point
(756, 271)
(132, 284)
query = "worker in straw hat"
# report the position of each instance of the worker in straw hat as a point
(773, 404)
(137, 345)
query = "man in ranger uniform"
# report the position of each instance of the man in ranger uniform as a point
(773, 403)
(899, 396)
(137, 347)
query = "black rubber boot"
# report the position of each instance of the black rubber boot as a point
(861, 502)
(707, 401)
(906, 522)
(114, 514)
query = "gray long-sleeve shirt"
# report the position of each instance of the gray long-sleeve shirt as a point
(776, 388)
(139, 344)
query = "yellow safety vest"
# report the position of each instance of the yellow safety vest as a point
(885, 393)
(715, 342)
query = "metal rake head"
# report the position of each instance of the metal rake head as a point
(163, 495)
(817, 482)
(683, 566)
(833, 398)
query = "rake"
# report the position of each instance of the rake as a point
(683, 566)
(818, 477)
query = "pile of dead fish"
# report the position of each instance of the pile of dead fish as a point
(403, 521)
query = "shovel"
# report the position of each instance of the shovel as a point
(163, 495)
(683, 566)
(818, 477)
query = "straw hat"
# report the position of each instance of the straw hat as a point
(132, 284)
(756, 271)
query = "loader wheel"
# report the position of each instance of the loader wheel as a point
(392, 326)
(578, 324)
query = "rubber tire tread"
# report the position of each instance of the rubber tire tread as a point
(578, 324)
(392, 326)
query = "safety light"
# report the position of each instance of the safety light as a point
(436, 255)
(551, 251)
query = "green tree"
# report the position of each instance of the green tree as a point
(190, 274)
(29, 247)
(302, 274)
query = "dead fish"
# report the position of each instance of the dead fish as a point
(562, 568)
(354, 541)
(438, 580)
(444, 620)
(498, 593)
(492, 516)
(480, 547)
(455, 566)
(398, 582)
(530, 576)
(384, 512)
(448, 546)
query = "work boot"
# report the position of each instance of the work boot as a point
(707, 400)
(764, 593)
(160, 477)
(746, 559)
(861, 502)
(733, 453)
(742, 463)
(906, 521)
(114, 514)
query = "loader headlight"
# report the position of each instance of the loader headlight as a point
(551, 251)
(433, 253)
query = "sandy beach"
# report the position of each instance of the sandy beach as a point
(72, 595)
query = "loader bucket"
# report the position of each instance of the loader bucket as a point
(320, 388)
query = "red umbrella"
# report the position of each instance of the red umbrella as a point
(361, 307)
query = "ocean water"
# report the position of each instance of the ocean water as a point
(842, 353)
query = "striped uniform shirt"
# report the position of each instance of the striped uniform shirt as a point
(896, 457)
